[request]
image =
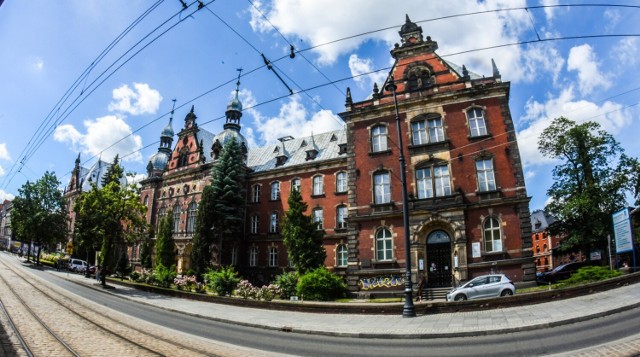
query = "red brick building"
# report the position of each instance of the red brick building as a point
(467, 203)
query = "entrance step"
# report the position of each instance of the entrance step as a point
(435, 294)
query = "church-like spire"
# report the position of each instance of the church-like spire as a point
(234, 108)
(496, 73)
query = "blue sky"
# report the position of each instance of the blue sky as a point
(47, 45)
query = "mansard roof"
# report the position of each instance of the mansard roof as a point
(265, 158)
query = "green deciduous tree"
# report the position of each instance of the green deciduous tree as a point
(301, 236)
(165, 245)
(116, 216)
(203, 236)
(39, 213)
(590, 183)
(229, 193)
(145, 250)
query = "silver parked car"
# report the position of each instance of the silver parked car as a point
(484, 286)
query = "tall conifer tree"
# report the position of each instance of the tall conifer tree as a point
(203, 235)
(165, 245)
(301, 236)
(229, 193)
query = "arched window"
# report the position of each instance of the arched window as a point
(379, 138)
(176, 218)
(545, 248)
(253, 256)
(384, 244)
(341, 182)
(492, 241)
(318, 185)
(275, 190)
(234, 255)
(381, 187)
(162, 212)
(146, 200)
(342, 255)
(273, 256)
(477, 124)
(191, 217)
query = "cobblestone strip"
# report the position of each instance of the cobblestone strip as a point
(163, 340)
(9, 343)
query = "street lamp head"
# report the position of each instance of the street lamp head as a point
(391, 87)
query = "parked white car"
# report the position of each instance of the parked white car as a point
(485, 286)
(77, 265)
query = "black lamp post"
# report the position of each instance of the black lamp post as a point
(408, 309)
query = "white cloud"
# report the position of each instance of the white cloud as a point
(549, 12)
(4, 153)
(142, 100)
(292, 119)
(317, 22)
(6, 196)
(38, 64)
(625, 52)
(2, 172)
(583, 60)
(360, 66)
(540, 59)
(613, 117)
(102, 133)
(612, 18)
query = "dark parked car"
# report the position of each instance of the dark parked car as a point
(560, 272)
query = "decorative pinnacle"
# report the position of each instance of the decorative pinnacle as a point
(238, 82)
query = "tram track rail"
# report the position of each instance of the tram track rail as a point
(135, 340)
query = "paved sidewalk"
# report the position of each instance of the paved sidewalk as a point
(390, 326)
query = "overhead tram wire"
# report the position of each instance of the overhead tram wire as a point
(37, 134)
(323, 85)
(61, 119)
(458, 15)
(292, 47)
(270, 64)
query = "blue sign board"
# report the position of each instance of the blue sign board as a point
(622, 231)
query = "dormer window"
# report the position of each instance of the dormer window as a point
(311, 154)
(342, 149)
(281, 160)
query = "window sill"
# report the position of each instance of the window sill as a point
(321, 195)
(380, 153)
(276, 200)
(490, 254)
(480, 137)
(337, 193)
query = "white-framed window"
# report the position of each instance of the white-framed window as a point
(384, 244)
(486, 177)
(273, 256)
(253, 256)
(477, 124)
(275, 190)
(427, 131)
(382, 187)
(255, 224)
(296, 184)
(176, 218)
(342, 255)
(234, 255)
(192, 212)
(491, 232)
(146, 201)
(379, 138)
(341, 216)
(318, 185)
(433, 181)
(318, 217)
(255, 193)
(273, 222)
(341, 182)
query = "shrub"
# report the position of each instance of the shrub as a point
(164, 276)
(287, 282)
(187, 282)
(222, 281)
(269, 292)
(589, 274)
(245, 289)
(321, 284)
(134, 276)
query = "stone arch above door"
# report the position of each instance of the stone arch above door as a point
(435, 221)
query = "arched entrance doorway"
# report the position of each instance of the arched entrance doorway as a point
(439, 259)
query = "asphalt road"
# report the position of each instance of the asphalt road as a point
(545, 341)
